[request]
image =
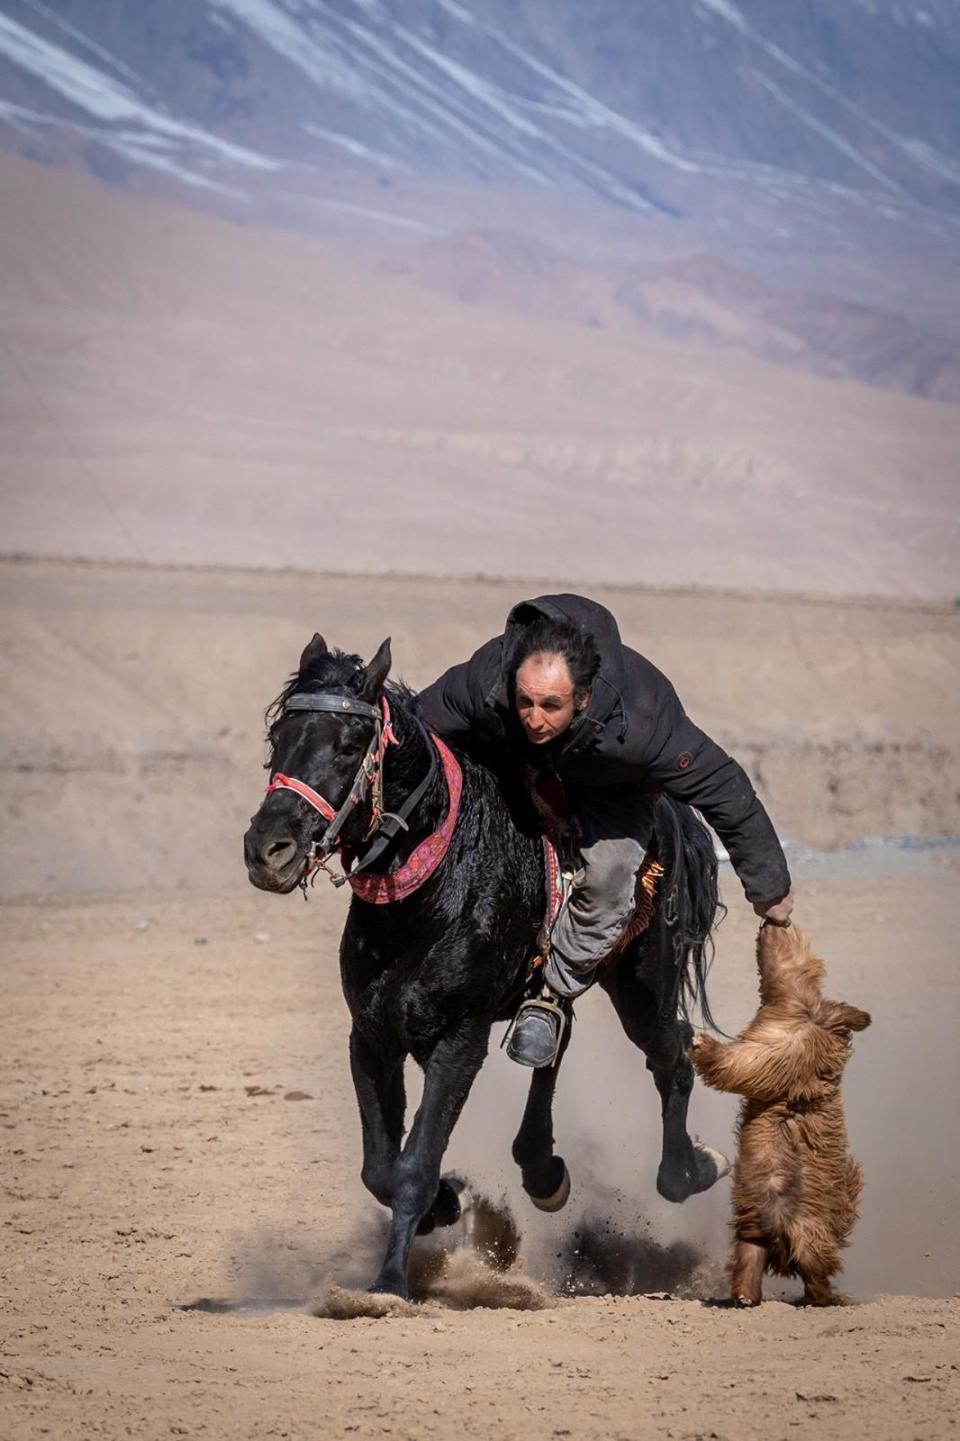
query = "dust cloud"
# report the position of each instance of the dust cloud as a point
(480, 1264)
(617, 1235)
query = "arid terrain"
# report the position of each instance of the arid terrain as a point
(178, 389)
(178, 1124)
(217, 437)
(133, 699)
(178, 1127)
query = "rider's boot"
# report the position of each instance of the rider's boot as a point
(535, 1037)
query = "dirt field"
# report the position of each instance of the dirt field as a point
(177, 1120)
(178, 1125)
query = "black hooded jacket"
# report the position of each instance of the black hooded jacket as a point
(632, 730)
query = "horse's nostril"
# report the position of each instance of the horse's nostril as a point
(278, 853)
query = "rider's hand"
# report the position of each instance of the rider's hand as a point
(777, 912)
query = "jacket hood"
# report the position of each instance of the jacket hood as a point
(606, 691)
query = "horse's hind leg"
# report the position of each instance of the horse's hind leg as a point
(545, 1177)
(684, 1168)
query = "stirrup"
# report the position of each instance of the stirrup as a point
(536, 1032)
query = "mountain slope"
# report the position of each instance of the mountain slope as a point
(644, 106)
(697, 298)
(177, 388)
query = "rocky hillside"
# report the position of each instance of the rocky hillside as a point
(646, 106)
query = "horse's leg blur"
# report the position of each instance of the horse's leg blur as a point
(378, 1082)
(415, 1177)
(545, 1177)
(684, 1168)
(652, 1024)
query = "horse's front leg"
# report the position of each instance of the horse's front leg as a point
(378, 1082)
(415, 1178)
(545, 1177)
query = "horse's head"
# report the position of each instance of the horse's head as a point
(324, 751)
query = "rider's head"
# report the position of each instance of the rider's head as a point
(553, 667)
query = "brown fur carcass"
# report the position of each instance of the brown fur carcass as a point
(796, 1188)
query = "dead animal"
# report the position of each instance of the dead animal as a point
(796, 1188)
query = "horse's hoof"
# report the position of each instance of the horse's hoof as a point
(340, 1303)
(448, 1205)
(561, 1195)
(388, 1291)
(711, 1166)
(678, 1183)
(675, 1187)
(446, 1208)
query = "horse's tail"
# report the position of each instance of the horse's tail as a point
(690, 901)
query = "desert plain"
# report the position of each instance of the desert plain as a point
(216, 438)
(181, 1148)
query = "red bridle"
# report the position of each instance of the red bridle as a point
(367, 778)
(376, 888)
(281, 782)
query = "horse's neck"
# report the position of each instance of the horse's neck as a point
(405, 766)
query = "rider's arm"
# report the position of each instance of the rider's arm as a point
(693, 768)
(456, 706)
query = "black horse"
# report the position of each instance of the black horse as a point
(428, 975)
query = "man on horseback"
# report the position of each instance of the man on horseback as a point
(599, 732)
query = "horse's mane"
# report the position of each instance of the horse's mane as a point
(334, 669)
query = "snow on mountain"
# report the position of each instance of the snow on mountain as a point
(642, 105)
(110, 106)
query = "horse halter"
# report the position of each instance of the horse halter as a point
(367, 778)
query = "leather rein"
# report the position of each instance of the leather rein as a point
(384, 826)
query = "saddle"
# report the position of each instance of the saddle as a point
(561, 861)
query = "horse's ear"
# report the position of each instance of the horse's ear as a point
(313, 652)
(376, 673)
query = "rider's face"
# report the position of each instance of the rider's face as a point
(545, 697)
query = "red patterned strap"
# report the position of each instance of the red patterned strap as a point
(381, 890)
(554, 880)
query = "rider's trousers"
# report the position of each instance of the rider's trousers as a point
(615, 824)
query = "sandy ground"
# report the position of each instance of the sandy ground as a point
(178, 1124)
(177, 1121)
